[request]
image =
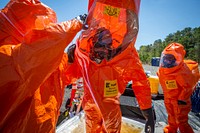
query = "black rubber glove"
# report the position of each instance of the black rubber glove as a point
(150, 124)
(82, 18)
(70, 53)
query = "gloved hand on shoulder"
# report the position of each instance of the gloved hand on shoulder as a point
(82, 19)
(149, 116)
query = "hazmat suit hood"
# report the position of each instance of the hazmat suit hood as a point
(19, 17)
(172, 58)
(120, 20)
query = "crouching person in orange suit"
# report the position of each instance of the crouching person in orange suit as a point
(33, 66)
(178, 78)
(108, 60)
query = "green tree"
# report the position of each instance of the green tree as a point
(188, 37)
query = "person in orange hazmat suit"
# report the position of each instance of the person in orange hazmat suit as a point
(178, 78)
(108, 60)
(33, 66)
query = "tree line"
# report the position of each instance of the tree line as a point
(188, 37)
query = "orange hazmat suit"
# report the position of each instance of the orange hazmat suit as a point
(178, 78)
(108, 60)
(32, 66)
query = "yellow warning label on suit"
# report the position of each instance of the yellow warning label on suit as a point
(110, 88)
(171, 84)
(111, 11)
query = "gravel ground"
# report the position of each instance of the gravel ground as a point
(152, 69)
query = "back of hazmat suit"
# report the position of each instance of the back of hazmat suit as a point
(108, 60)
(32, 66)
(178, 78)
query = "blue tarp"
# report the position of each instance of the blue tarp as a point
(195, 98)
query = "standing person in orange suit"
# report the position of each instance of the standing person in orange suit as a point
(33, 66)
(178, 78)
(108, 60)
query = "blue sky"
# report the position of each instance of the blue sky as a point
(157, 18)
